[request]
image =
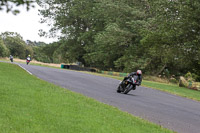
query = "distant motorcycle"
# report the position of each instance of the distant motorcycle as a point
(127, 85)
(11, 59)
(28, 60)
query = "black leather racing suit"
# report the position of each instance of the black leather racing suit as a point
(139, 80)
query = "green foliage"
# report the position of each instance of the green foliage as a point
(29, 50)
(14, 42)
(39, 55)
(3, 49)
(109, 45)
(172, 35)
(8, 5)
(191, 76)
(48, 53)
(125, 35)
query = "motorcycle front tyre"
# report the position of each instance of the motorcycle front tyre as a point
(127, 89)
(118, 89)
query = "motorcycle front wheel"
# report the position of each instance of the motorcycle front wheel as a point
(119, 89)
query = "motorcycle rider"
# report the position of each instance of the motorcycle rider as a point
(137, 77)
(28, 59)
(137, 73)
(122, 85)
(11, 58)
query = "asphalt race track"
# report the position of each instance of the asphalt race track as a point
(176, 113)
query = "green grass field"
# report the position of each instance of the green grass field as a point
(31, 105)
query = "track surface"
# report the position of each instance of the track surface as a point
(173, 112)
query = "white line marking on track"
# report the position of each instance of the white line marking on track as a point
(25, 69)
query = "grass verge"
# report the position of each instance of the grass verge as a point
(174, 89)
(29, 105)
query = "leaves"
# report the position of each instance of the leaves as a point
(9, 5)
(3, 49)
(14, 42)
(125, 35)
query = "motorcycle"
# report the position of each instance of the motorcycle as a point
(28, 60)
(127, 85)
(11, 59)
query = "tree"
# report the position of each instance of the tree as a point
(14, 42)
(119, 39)
(3, 49)
(173, 35)
(45, 53)
(125, 35)
(86, 25)
(76, 20)
(8, 5)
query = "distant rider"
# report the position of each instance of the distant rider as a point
(11, 58)
(28, 59)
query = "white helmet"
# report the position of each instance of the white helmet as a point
(139, 72)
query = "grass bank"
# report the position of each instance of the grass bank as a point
(29, 105)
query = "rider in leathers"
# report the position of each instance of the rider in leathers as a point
(138, 73)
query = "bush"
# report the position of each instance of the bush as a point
(191, 76)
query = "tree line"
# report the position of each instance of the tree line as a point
(12, 43)
(124, 35)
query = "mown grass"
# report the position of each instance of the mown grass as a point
(174, 89)
(30, 105)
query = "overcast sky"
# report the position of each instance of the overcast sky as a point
(26, 24)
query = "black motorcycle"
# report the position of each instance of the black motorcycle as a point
(127, 85)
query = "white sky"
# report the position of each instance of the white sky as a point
(26, 23)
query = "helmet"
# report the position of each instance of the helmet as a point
(139, 72)
(29, 55)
